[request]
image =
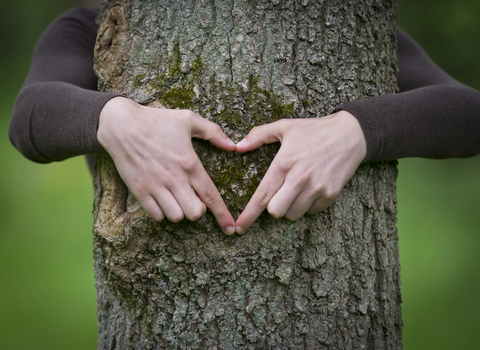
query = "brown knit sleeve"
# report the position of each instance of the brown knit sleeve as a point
(55, 115)
(433, 116)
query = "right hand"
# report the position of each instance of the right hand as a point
(153, 153)
(317, 158)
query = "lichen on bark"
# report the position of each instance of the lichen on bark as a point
(326, 281)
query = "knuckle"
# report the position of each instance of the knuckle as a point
(312, 210)
(327, 193)
(330, 194)
(274, 212)
(158, 217)
(196, 213)
(187, 163)
(262, 197)
(176, 217)
(292, 216)
(154, 213)
(211, 196)
(303, 179)
(317, 208)
(256, 131)
(167, 180)
(282, 123)
(216, 129)
(285, 164)
(189, 115)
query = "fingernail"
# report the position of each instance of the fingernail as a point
(240, 230)
(230, 142)
(243, 143)
(229, 230)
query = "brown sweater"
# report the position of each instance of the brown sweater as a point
(56, 112)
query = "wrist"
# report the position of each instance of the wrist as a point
(112, 116)
(354, 133)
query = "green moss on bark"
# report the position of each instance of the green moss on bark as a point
(235, 107)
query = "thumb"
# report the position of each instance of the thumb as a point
(261, 135)
(207, 130)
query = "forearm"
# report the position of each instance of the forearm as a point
(440, 121)
(56, 113)
(52, 121)
(434, 116)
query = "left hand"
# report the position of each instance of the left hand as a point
(315, 161)
(152, 150)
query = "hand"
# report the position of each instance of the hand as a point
(152, 150)
(315, 161)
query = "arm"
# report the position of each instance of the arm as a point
(56, 116)
(434, 116)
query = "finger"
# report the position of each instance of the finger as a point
(208, 194)
(300, 205)
(282, 200)
(187, 199)
(206, 130)
(319, 205)
(169, 205)
(152, 208)
(261, 135)
(269, 185)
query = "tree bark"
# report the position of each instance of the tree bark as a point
(326, 281)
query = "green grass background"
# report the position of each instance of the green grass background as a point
(47, 294)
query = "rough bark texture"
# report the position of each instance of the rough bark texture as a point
(326, 281)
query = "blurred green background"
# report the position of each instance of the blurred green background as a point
(47, 294)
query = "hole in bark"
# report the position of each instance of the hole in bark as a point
(114, 344)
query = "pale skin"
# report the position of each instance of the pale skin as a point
(315, 161)
(153, 152)
(154, 155)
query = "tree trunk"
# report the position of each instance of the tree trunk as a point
(325, 281)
